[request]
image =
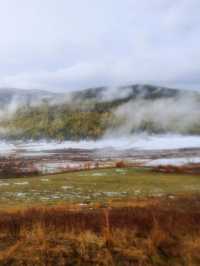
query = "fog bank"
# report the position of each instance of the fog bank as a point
(179, 115)
(137, 142)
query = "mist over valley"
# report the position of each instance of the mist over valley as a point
(98, 113)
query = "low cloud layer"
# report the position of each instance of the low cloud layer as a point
(66, 45)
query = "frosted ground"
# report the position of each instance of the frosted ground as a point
(99, 184)
(161, 146)
(140, 142)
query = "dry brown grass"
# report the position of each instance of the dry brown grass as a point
(163, 234)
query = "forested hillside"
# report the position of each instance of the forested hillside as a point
(90, 113)
(59, 122)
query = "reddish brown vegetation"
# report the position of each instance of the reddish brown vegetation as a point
(120, 164)
(12, 167)
(167, 233)
(185, 169)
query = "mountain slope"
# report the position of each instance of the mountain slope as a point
(99, 94)
(92, 113)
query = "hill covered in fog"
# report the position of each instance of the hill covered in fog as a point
(95, 112)
(99, 94)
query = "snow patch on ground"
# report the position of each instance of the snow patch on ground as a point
(4, 184)
(99, 174)
(21, 183)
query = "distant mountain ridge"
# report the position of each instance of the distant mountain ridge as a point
(21, 96)
(98, 94)
(127, 93)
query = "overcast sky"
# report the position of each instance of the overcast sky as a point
(63, 45)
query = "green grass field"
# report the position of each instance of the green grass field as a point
(94, 186)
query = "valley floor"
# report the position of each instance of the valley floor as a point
(99, 185)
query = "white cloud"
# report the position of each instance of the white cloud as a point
(65, 44)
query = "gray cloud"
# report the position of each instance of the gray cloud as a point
(63, 45)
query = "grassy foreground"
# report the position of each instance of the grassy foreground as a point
(163, 232)
(92, 186)
(115, 217)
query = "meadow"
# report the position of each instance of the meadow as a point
(91, 186)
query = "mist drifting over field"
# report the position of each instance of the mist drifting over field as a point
(130, 117)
